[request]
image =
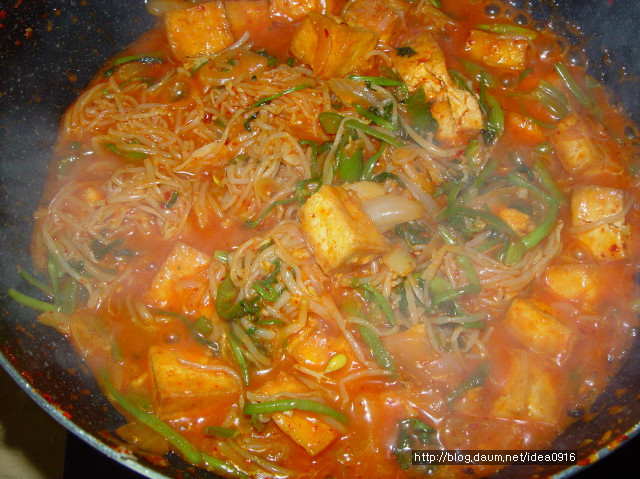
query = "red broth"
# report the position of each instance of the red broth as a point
(488, 314)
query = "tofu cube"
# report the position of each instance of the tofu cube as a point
(529, 391)
(179, 387)
(182, 282)
(307, 429)
(520, 222)
(199, 30)
(339, 232)
(314, 348)
(251, 16)
(574, 282)
(593, 204)
(457, 111)
(294, 10)
(426, 67)
(574, 145)
(538, 330)
(375, 15)
(332, 49)
(497, 50)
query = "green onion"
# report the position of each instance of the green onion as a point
(172, 200)
(460, 80)
(247, 122)
(203, 326)
(31, 302)
(376, 295)
(314, 156)
(330, 121)
(492, 220)
(197, 335)
(385, 175)
(186, 449)
(514, 253)
(239, 357)
(275, 96)
(419, 110)
(551, 98)
(350, 169)
(410, 432)
(479, 73)
(495, 117)
(476, 379)
(219, 431)
(131, 154)
(392, 140)
(382, 81)
(378, 120)
(216, 465)
(370, 164)
(378, 351)
(572, 85)
(518, 180)
(543, 230)
(281, 405)
(272, 61)
(507, 29)
(226, 305)
(222, 256)
(485, 174)
(32, 280)
(143, 58)
(548, 182)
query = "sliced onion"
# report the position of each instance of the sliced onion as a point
(399, 261)
(352, 92)
(366, 189)
(387, 211)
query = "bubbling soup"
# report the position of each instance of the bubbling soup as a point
(304, 238)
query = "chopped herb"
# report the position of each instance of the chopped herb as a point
(172, 200)
(275, 96)
(420, 112)
(405, 51)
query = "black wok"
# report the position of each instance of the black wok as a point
(49, 49)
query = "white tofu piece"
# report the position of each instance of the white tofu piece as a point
(457, 111)
(574, 282)
(574, 144)
(307, 429)
(182, 282)
(538, 330)
(314, 348)
(520, 222)
(529, 392)
(497, 50)
(248, 16)
(340, 233)
(593, 204)
(330, 47)
(179, 388)
(199, 30)
(294, 10)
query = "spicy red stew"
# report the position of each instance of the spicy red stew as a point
(302, 238)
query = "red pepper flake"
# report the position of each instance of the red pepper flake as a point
(28, 33)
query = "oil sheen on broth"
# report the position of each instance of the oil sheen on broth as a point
(301, 238)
